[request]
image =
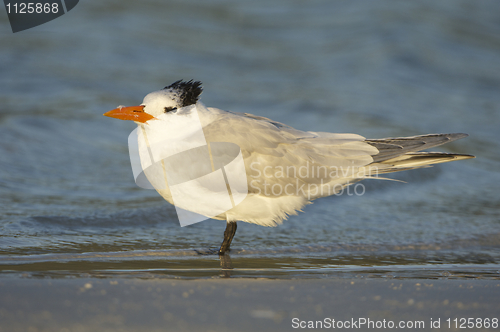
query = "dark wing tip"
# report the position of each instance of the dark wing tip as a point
(455, 136)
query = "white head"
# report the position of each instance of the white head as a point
(169, 99)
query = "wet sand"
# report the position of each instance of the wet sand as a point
(239, 304)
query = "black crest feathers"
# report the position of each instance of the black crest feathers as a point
(188, 92)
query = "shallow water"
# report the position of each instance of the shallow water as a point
(68, 202)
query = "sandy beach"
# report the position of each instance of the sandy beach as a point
(118, 304)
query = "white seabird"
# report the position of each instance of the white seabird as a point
(285, 168)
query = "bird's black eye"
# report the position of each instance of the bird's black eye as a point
(168, 109)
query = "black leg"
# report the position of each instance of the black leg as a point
(228, 237)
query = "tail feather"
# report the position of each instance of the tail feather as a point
(401, 153)
(413, 159)
(392, 147)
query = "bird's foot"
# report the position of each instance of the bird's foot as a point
(224, 247)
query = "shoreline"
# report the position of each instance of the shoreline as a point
(236, 304)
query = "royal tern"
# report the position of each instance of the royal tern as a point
(285, 168)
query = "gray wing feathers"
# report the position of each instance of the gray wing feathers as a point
(267, 143)
(396, 146)
(401, 154)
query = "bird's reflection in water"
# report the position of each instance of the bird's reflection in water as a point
(226, 265)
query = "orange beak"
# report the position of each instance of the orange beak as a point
(134, 113)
